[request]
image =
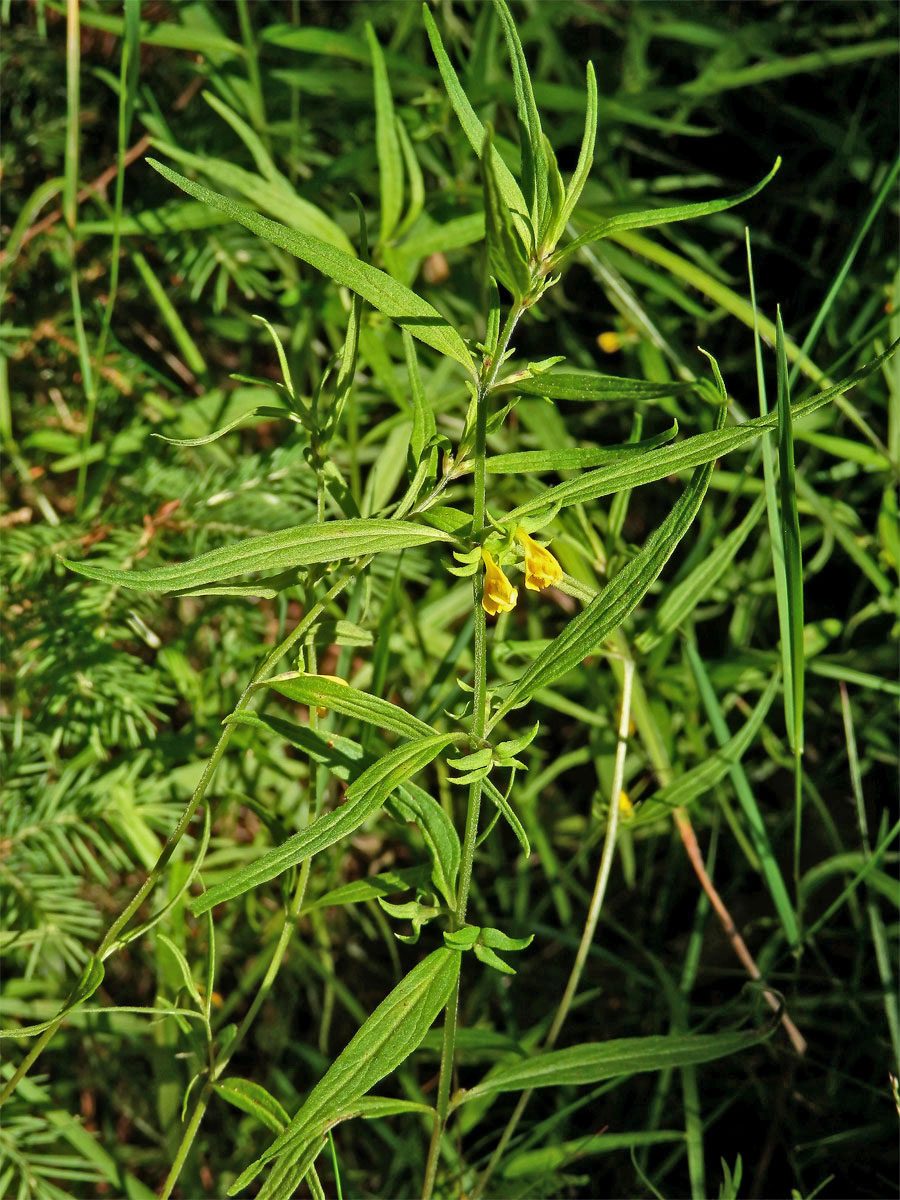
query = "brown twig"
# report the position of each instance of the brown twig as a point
(689, 839)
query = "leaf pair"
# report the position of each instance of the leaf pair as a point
(386, 1039)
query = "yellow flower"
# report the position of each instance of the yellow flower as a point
(499, 595)
(541, 568)
(626, 808)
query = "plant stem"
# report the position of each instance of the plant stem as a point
(590, 925)
(479, 723)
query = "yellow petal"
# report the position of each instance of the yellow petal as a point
(541, 568)
(499, 595)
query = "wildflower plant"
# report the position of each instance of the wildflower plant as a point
(436, 503)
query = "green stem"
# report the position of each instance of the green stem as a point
(479, 723)
(590, 925)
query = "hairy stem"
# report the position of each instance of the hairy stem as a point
(479, 724)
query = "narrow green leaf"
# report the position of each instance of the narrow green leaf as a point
(498, 940)
(506, 253)
(496, 797)
(658, 216)
(594, 387)
(618, 599)
(317, 691)
(371, 1108)
(692, 452)
(365, 796)
(585, 159)
(782, 66)
(300, 546)
(592, 1062)
(414, 176)
(386, 1039)
(413, 804)
(530, 1164)
(472, 127)
(183, 968)
(379, 289)
(424, 427)
(556, 194)
(574, 457)
(487, 956)
(387, 143)
(253, 1098)
(793, 556)
(531, 137)
(264, 411)
(387, 883)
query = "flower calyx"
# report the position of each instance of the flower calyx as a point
(485, 941)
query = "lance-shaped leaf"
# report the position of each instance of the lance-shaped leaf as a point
(317, 691)
(506, 254)
(617, 600)
(263, 411)
(472, 127)
(574, 457)
(585, 161)
(297, 547)
(387, 142)
(692, 452)
(364, 796)
(410, 803)
(592, 1062)
(594, 387)
(393, 1031)
(424, 427)
(374, 887)
(531, 138)
(658, 216)
(377, 287)
(252, 1098)
(792, 654)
